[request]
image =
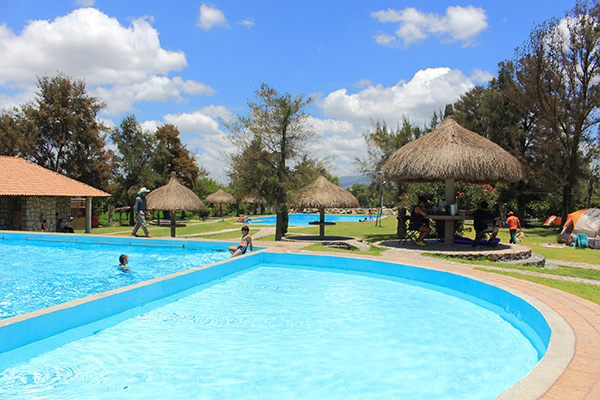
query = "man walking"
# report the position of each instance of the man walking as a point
(141, 210)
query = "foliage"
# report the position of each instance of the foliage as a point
(172, 156)
(59, 131)
(558, 76)
(268, 141)
(468, 196)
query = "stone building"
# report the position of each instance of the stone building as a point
(30, 194)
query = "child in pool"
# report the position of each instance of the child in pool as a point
(124, 259)
(244, 243)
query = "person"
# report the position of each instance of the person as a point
(513, 224)
(482, 219)
(141, 210)
(370, 214)
(124, 259)
(418, 222)
(244, 243)
(44, 226)
(64, 226)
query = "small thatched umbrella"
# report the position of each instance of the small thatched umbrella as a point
(220, 197)
(323, 194)
(174, 196)
(452, 153)
(254, 198)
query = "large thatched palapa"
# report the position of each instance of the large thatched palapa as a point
(174, 196)
(220, 197)
(323, 194)
(452, 153)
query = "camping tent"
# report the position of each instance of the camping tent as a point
(583, 221)
(553, 220)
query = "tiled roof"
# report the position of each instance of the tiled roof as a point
(19, 177)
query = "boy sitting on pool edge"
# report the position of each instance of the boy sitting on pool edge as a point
(244, 243)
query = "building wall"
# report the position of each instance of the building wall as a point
(32, 211)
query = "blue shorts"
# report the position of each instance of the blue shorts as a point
(243, 249)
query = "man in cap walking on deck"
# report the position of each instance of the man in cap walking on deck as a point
(141, 210)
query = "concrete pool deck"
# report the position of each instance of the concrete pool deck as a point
(571, 367)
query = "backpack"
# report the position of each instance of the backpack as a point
(581, 240)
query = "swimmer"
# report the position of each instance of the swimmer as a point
(124, 259)
(244, 243)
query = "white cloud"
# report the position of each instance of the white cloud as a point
(121, 98)
(85, 3)
(210, 17)
(479, 76)
(427, 91)
(196, 122)
(85, 44)
(249, 22)
(458, 24)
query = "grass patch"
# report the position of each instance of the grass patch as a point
(588, 292)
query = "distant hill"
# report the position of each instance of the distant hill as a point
(347, 181)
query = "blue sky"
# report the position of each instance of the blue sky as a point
(190, 63)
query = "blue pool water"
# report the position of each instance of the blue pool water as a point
(273, 332)
(36, 274)
(304, 219)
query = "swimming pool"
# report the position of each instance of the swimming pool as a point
(263, 314)
(38, 271)
(304, 219)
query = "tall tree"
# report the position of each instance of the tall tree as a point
(60, 131)
(558, 69)
(268, 141)
(133, 161)
(173, 156)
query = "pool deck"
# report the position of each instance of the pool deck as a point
(570, 370)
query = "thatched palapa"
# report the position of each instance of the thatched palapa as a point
(174, 196)
(452, 152)
(220, 197)
(323, 194)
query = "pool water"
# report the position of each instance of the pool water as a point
(38, 274)
(304, 219)
(276, 332)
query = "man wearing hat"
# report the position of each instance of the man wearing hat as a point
(140, 210)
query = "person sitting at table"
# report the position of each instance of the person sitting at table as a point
(418, 222)
(483, 221)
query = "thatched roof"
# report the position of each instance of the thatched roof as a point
(254, 198)
(220, 197)
(452, 152)
(19, 177)
(323, 194)
(174, 196)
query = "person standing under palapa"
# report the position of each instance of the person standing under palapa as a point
(513, 224)
(141, 210)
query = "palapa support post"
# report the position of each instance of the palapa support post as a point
(449, 224)
(322, 222)
(173, 217)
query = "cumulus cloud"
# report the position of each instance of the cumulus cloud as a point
(121, 98)
(428, 90)
(462, 24)
(85, 44)
(210, 17)
(249, 23)
(85, 3)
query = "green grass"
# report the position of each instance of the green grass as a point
(589, 292)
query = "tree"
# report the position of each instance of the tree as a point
(268, 141)
(558, 70)
(171, 155)
(133, 161)
(60, 131)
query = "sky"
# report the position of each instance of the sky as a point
(193, 63)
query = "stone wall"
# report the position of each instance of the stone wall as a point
(32, 211)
